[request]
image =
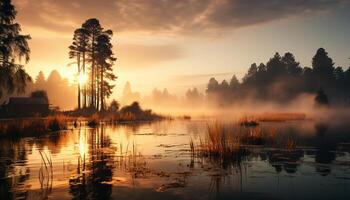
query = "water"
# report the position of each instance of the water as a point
(153, 161)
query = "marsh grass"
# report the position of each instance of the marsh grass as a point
(229, 143)
(280, 117)
(123, 117)
(33, 126)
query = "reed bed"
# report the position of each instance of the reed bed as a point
(280, 117)
(33, 126)
(228, 143)
(123, 117)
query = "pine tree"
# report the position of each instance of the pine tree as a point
(13, 47)
(105, 60)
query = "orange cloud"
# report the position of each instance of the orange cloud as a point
(174, 16)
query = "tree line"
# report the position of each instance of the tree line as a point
(92, 51)
(282, 79)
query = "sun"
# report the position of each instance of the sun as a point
(82, 79)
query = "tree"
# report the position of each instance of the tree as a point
(339, 74)
(114, 106)
(13, 47)
(94, 29)
(77, 50)
(323, 66)
(275, 67)
(105, 60)
(251, 74)
(234, 82)
(74, 53)
(134, 108)
(291, 65)
(40, 79)
(213, 86)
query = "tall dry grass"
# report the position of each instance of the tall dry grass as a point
(33, 126)
(276, 117)
(227, 143)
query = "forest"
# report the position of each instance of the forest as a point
(282, 79)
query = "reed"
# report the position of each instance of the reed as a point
(46, 171)
(227, 143)
(33, 126)
(280, 117)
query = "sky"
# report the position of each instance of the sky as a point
(179, 44)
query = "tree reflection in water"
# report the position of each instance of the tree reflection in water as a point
(91, 156)
(325, 150)
(94, 171)
(13, 170)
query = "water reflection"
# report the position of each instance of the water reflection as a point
(131, 161)
(94, 170)
(13, 170)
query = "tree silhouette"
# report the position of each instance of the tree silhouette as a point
(92, 44)
(323, 65)
(94, 29)
(114, 106)
(282, 79)
(291, 65)
(105, 60)
(13, 47)
(40, 79)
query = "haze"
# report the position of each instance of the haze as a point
(181, 44)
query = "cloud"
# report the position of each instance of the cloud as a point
(142, 56)
(170, 16)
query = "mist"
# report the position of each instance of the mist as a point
(61, 93)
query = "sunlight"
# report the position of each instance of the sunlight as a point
(82, 79)
(83, 148)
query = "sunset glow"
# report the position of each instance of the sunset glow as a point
(224, 44)
(174, 99)
(82, 78)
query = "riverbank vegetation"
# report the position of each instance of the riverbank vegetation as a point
(34, 126)
(227, 143)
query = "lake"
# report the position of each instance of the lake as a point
(153, 161)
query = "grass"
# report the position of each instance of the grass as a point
(227, 143)
(253, 120)
(280, 117)
(33, 126)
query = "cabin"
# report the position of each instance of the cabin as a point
(26, 107)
